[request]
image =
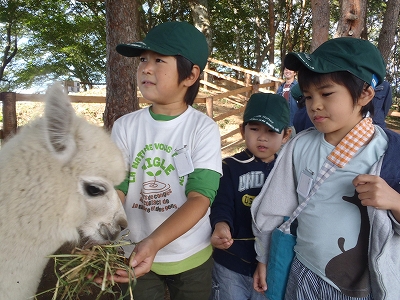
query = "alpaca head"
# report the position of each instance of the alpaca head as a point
(57, 179)
(94, 163)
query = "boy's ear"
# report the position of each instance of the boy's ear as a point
(194, 74)
(366, 96)
(286, 135)
(241, 128)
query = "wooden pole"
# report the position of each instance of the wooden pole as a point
(9, 114)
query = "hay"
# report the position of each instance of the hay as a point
(76, 272)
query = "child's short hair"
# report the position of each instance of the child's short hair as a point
(267, 108)
(184, 67)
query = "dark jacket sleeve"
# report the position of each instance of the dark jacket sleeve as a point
(223, 207)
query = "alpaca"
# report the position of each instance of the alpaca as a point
(57, 178)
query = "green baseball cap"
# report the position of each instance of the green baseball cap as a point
(172, 38)
(359, 57)
(270, 109)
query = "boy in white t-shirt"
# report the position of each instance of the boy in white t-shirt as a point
(174, 159)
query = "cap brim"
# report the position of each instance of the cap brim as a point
(131, 50)
(135, 49)
(294, 61)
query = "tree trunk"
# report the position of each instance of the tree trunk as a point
(201, 19)
(288, 43)
(10, 40)
(320, 23)
(122, 26)
(352, 20)
(388, 31)
(272, 30)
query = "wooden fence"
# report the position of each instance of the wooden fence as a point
(215, 85)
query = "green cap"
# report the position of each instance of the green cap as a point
(270, 109)
(296, 92)
(172, 38)
(359, 57)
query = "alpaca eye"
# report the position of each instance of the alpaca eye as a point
(94, 190)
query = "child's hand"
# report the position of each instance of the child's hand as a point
(120, 276)
(221, 237)
(141, 260)
(142, 256)
(374, 191)
(260, 278)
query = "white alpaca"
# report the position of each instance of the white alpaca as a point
(57, 178)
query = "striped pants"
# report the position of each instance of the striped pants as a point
(303, 284)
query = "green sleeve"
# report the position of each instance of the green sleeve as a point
(203, 181)
(124, 185)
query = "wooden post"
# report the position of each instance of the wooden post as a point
(255, 89)
(9, 114)
(209, 106)
(205, 76)
(247, 81)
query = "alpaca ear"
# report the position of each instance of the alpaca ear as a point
(59, 115)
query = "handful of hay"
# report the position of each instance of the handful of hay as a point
(76, 272)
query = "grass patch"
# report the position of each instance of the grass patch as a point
(393, 122)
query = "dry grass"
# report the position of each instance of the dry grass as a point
(75, 273)
(27, 111)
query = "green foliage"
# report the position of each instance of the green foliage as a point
(66, 40)
(237, 27)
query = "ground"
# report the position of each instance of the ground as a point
(393, 121)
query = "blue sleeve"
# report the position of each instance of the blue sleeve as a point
(280, 90)
(388, 100)
(223, 207)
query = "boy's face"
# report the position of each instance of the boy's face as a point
(332, 111)
(157, 77)
(262, 141)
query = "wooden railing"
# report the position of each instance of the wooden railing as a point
(214, 86)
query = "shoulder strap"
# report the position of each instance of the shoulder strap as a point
(339, 157)
(327, 169)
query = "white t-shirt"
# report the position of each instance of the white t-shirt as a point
(155, 189)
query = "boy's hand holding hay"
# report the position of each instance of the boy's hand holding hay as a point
(86, 271)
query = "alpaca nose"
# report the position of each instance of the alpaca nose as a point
(111, 232)
(122, 223)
